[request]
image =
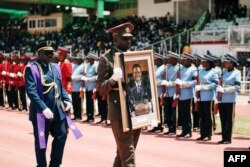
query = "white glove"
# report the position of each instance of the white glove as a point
(198, 87)
(19, 74)
(48, 113)
(68, 106)
(220, 89)
(149, 105)
(117, 74)
(94, 90)
(164, 82)
(175, 96)
(230, 89)
(83, 78)
(12, 75)
(178, 82)
(4, 73)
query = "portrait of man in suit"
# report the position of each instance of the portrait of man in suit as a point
(138, 93)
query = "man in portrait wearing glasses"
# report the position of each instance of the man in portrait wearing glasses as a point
(44, 88)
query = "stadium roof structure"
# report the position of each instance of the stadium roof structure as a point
(14, 13)
(76, 3)
(13, 5)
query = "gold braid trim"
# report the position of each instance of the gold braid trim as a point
(50, 85)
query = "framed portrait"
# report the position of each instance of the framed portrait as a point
(138, 90)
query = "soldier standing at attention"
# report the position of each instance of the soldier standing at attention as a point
(1, 82)
(66, 68)
(78, 68)
(171, 76)
(208, 82)
(107, 86)
(187, 81)
(231, 84)
(90, 84)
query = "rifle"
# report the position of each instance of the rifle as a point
(81, 95)
(219, 94)
(163, 88)
(198, 93)
(177, 89)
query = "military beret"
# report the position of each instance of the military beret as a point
(46, 45)
(124, 30)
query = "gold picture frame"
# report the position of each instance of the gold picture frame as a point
(139, 102)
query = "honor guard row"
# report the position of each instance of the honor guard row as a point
(201, 89)
(12, 81)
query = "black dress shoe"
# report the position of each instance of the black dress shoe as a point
(88, 121)
(207, 139)
(224, 142)
(221, 142)
(155, 129)
(169, 133)
(101, 122)
(187, 135)
(200, 138)
(180, 135)
(85, 121)
(196, 129)
(166, 133)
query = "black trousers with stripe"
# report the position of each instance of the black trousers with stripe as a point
(227, 116)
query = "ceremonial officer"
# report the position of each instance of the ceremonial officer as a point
(107, 85)
(171, 76)
(196, 101)
(89, 79)
(159, 74)
(47, 95)
(78, 69)
(208, 82)
(218, 70)
(231, 84)
(187, 81)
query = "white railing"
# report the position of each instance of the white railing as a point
(245, 87)
(239, 35)
(209, 36)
